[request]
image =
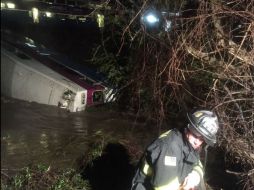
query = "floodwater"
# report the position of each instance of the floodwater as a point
(33, 133)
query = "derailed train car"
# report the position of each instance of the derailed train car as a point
(26, 78)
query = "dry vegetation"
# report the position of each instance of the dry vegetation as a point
(205, 60)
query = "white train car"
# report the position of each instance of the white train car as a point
(22, 77)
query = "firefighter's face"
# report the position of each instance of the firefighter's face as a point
(194, 140)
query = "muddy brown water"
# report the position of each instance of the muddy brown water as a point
(32, 133)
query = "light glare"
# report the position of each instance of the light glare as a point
(100, 20)
(48, 14)
(10, 5)
(35, 13)
(30, 45)
(152, 19)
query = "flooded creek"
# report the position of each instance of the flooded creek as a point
(32, 133)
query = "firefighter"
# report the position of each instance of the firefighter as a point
(172, 161)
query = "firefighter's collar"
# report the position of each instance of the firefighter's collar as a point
(190, 155)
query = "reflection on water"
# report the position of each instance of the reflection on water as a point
(32, 133)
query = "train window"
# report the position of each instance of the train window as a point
(98, 96)
(83, 98)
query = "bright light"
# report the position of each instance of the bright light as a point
(82, 19)
(48, 14)
(30, 45)
(2, 5)
(151, 18)
(10, 5)
(29, 42)
(168, 25)
(35, 13)
(100, 20)
(154, 20)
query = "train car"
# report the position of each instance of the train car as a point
(25, 78)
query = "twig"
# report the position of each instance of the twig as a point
(6, 175)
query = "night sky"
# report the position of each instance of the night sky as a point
(73, 38)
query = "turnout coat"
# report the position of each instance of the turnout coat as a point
(166, 163)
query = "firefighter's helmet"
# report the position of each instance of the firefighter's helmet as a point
(204, 123)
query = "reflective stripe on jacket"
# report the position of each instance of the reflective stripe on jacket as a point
(166, 163)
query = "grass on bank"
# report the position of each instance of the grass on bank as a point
(43, 177)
